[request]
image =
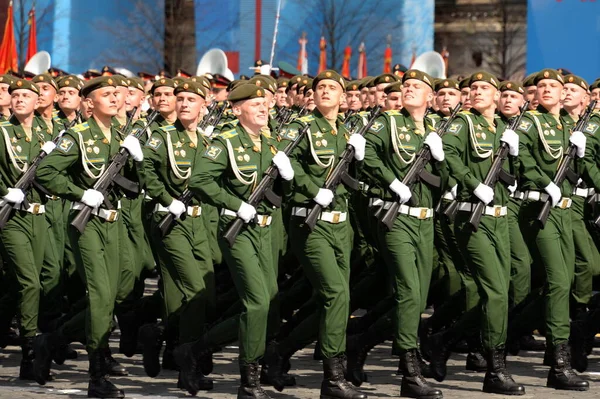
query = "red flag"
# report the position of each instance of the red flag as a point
(362, 61)
(387, 60)
(346, 64)
(32, 42)
(302, 65)
(445, 56)
(323, 55)
(8, 48)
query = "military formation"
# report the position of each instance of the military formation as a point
(273, 209)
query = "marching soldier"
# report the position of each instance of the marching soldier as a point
(81, 157)
(5, 82)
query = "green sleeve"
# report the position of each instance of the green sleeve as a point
(375, 148)
(53, 172)
(455, 150)
(529, 168)
(302, 181)
(3, 187)
(591, 173)
(155, 158)
(208, 172)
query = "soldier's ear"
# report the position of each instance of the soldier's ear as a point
(236, 108)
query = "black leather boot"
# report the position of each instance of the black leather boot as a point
(476, 362)
(129, 325)
(413, 384)
(26, 369)
(151, 338)
(334, 385)
(440, 353)
(99, 385)
(113, 367)
(561, 376)
(278, 376)
(358, 348)
(497, 379)
(529, 343)
(577, 339)
(44, 347)
(190, 376)
(250, 387)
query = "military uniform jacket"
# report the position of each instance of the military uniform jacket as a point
(542, 143)
(80, 158)
(169, 157)
(17, 152)
(392, 146)
(315, 157)
(470, 145)
(231, 167)
(591, 161)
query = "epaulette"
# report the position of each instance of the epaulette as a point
(228, 134)
(168, 128)
(534, 112)
(81, 127)
(393, 112)
(307, 118)
(5, 124)
(364, 113)
(465, 112)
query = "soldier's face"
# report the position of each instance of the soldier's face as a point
(23, 102)
(291, 95)
(465, 98)
(4, 95)
(164, 99)
(510, 102)
(393, 101)
(310, 100)
(68, 99)
(531, 96)
(415, 93)
(103, 101)
(121, 96)
(353, 100)
(574, 95)
(549, 92)
(190, 107)
(596, 96)
(270, 99)
(446, 99)
(219, 94)
(372, 96)
(380, 94)
(328, 94)
(364, 97)
(281, 97)
(483, 95)
(134, 98)
(252, 113)
(47, 95)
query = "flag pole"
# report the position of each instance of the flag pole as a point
(275, 31)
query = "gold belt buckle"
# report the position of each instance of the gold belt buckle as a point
(36, 209)
(195, 211)
(497, 211)
(423, 213)
(263, 220)
(112, 216)
(564, 203)
(336, 217)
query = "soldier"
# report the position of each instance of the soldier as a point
(364, 92)
(530, 91)
(381, 82)
(122, 92)
(393, 97)
(353, 96)
(81, 157)
(68, 97)
(595, 92)
(135, 96)
(465, 98)
(280, 96)
(5, 82)
(237, 159)
(544, 136)
(469, 147)
(24, 235)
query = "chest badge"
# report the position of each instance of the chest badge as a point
(182, 152)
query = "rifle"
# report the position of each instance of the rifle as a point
(213, 116)
(340, 172)
(168, 221)
(263, 190)
(495, 172)
(564, 170)
(417, 170)
(109, 177)
(27, 180)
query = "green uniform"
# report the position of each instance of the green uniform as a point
(469, 145)
(225, 176)
(392, 144)
(184, 253)
(78, 160)
(543, 139)
(23, 237)
(325, 252)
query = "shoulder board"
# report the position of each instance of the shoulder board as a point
(168, 128)
(364, 113)
(393, 112)
(465, 112)
(81, 127)
(534, 112)
(307, 118)
(5, 124)
(596, 111)
(228, 134)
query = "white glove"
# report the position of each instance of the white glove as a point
(434, 142)
(132, 145)
(484, 193)
(284, 165)
(246, 212)
(554, 193)
(48, 147)
(208, 131)
(578, 139)
(513, 188)
(324, 197)
(454, 191)
(177, 208)
(401, 189)
(512, 139)
(358, 142)
(92, 198)
(15, 195)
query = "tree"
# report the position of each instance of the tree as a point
(43, 17)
